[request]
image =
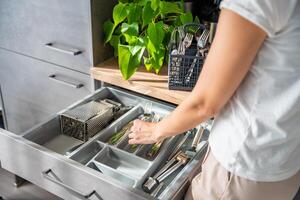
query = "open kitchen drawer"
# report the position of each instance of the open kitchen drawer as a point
(95, 169)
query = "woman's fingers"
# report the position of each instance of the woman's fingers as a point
(134, 136)
(136, 125)
(141, 141)
(143, 133)
(133, 141)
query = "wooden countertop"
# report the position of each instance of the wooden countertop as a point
(142, 81)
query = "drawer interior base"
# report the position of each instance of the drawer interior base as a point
(63, 144)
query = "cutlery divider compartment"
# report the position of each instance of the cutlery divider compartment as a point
(126, 180)
(127, 147)
(114, 160)
(167, 144)
(123, 143)
(128, 117)
(86, 154)
(49, 136)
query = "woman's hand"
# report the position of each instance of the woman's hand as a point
(144, 133)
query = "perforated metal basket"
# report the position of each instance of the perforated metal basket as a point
(178, 73)
(184, 69)
(86, 120)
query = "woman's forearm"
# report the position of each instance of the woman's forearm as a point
(186, 116)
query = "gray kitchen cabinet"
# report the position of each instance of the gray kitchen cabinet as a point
(96, 170)
(46, 51)
(33, 90)
(67, 33)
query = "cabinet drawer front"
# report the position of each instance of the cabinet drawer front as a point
(33, 90)
(56, 174)
(52, 30)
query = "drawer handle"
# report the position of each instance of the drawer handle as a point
(76, 193)
(74, 85)
(61, 48)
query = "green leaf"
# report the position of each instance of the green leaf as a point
(130, 29)
(108, 27)
(130, 32)
(131, 39)
(186, 18)
(117, 30)
(155, 60)
(119, 13)
(181, 5)
(167, 38)
(136, 59)
(114, 42)
(143, 2)
(124, 60)
(134, 13)
(169, 7)
(154, 63)
(148, 14)
(137, 47)
(134, 49)
(147, 63)
(151, 47)
(155, 4)
(177, 22)
(127, 62)
(158, 60)
(156, 33)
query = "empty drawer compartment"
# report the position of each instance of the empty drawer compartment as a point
(125, 163)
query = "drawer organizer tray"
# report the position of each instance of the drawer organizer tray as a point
(105, 171)
(130, 168)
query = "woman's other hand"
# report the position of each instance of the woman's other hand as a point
(144, 133)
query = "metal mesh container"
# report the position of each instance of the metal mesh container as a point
(86, 120)
(180, 76)
(188, 47)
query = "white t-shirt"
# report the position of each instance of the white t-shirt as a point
(257, 134)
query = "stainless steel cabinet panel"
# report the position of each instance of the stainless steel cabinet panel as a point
(70, 177)
(56, 31)
(33, 90)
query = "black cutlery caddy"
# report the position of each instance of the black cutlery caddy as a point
(177, 74)
(181, 77)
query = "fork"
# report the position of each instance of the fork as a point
(202, 41)
(186, 43)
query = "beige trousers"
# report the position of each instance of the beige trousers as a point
(216, 183)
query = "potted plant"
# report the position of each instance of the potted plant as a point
(141, 30)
